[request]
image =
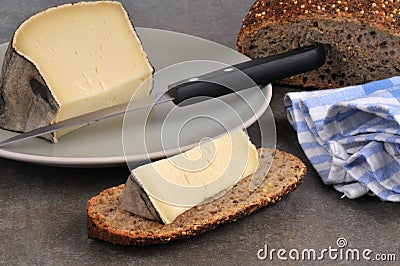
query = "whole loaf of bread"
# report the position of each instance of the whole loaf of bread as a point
(362, 38)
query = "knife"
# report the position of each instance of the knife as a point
(261, 70)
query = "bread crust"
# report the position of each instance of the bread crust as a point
(385, 17)
(108, 223)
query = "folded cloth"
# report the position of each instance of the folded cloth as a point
(351, 136)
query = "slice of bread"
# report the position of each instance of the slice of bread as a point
(106, 221)
(361, 38)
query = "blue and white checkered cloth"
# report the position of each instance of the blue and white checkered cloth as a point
(351, 136)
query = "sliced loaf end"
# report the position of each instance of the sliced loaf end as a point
(362, 40)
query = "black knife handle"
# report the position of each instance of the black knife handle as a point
(261, 70)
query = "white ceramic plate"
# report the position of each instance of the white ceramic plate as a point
(100, 144)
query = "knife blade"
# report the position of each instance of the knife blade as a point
(261, 70)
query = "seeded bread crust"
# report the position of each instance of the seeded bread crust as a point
(362, 38)
(105, 221)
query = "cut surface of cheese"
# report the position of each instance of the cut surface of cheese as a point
(176, 184)
(87, 54)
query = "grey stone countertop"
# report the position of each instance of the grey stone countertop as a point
(42, 208)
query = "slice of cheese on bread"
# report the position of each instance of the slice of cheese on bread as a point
(70, 60)
(167, 188)
(107, 221)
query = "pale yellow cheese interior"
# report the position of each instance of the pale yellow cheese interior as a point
(176, 184)
(88, 54)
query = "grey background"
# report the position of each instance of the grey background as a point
(42, 209)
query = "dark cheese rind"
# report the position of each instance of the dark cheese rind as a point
(135, 200)
(26, 102)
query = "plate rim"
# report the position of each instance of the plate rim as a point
(111, 161)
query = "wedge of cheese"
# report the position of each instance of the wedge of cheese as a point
(167, 188)
(69, 60)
